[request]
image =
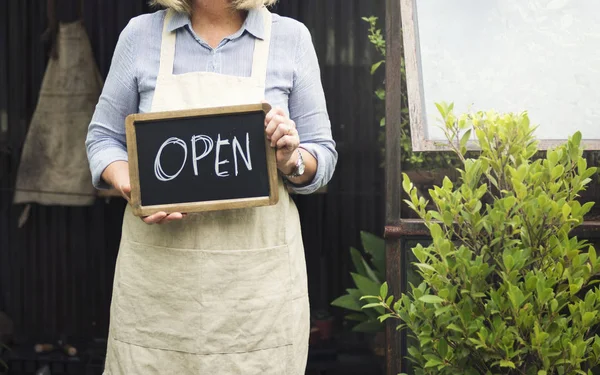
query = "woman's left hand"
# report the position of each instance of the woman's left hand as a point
(281, 132)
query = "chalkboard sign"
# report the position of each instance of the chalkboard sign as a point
(508, 55)
(201, 160)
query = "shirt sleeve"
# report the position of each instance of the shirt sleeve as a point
(309, 111)
(106, 142)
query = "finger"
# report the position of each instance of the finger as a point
(282, 131)
(126, 191)
(274, 124)
(275, 111)
(175, 216)
(288, 142)
(155, 218)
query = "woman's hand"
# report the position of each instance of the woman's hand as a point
(282, 133)
(117, 175)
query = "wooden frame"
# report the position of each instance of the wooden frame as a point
(398, 230)
(136, 201)
(395, 253)
(414, 83)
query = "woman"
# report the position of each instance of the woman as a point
(222, 292)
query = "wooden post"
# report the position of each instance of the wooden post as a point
(393, 175)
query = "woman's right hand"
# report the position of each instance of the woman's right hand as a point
(117, 175)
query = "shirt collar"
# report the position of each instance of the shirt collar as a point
(254, 23)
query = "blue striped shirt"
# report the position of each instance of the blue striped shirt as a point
(293, 83)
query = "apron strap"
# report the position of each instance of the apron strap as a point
(167, 48)
(261, 49)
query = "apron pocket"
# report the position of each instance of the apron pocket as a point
(202, 301)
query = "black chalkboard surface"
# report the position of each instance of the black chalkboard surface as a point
(200, 160)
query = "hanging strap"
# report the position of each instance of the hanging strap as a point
(80, 11)
(50, 34)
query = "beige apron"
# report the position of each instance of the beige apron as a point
(218, 293)
(54, 169)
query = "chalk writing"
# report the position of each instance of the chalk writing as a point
(217, 162)
(236, 146)
(207, 146)
(160, 173)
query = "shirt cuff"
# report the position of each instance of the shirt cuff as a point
(320, 178)
(102, 160)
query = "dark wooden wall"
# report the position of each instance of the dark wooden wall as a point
(56, 272)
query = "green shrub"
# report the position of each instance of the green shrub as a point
(369, 273)
(506, 289)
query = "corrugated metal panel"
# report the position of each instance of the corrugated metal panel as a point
(331, 222)
(56, 272)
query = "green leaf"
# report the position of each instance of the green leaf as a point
(359, 296)
(384, 317)
(431, 299)
(516, 296)
(454, 327)
(592, 256)
(357, 260)
(356, 317)
(347, 302)
(389, 301)
(424, 266)
(433, 362)
(383, 291)
(368, 327)
(442, 310)
(443, 348)
(507, 363)
(374, 246)
(441, 109)
(436, 230)
(465, 138)
(508, 262)
(366, 298)
(575, 288)
(365, 285)
(376, 66)
(406, 183)
(588, 318)
(370, 273)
